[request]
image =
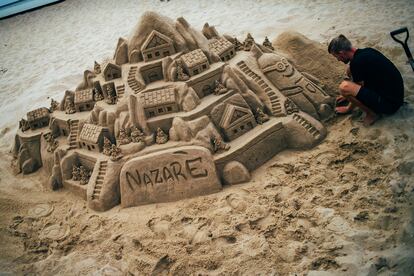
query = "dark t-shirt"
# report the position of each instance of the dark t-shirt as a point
(379, 74)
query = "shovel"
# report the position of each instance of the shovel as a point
(404, 44)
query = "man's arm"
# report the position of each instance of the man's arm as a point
(349, 74)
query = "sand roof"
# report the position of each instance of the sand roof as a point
(233, 114)
(194, 58)
(83, 96)
(219, 46)
(109, 63)
(155, 39)
(90, 133)
(158, 97)
(37, 114)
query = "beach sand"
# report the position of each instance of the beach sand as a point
(342, 208)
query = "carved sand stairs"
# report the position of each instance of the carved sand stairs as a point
(132, 81)
(120, 91)
(103, 165)
(274, 99)
(308, 126)
(74, 129)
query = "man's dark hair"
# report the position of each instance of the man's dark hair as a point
(339, 43)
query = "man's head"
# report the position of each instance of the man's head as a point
(341, 48)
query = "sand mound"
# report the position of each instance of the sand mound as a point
(311, 57)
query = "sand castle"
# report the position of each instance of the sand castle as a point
(175, 113)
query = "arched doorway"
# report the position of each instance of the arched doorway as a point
(206, 90)
(153, 76)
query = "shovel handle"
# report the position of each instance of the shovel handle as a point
(404, 44)
(400, 31)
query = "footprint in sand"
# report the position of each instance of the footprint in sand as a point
(159, 226)
(55, 232)
(324, 158)
(254, 246)
(108, 270)
(237, 201)
(373, 134)
(40, 210)
(201, 236)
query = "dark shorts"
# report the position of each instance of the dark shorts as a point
(376, 102)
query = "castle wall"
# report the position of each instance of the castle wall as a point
(29, 152)
(260, 146)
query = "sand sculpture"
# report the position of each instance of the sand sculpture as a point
(175, 113)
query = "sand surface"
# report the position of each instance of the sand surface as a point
(342, 208)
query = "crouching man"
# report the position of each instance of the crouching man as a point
(376, 85)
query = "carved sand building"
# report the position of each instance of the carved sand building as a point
(92, 137)
(195, 62)
(38, 118)
(84, 100)
(157, 46)
(159, 102)
(111, 71)
(223, 48)
(236, 121)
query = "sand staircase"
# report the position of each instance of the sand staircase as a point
(74, 129)
(103, 165)
(274, 99)
(132, 81)
(120, 91)
(305, 124)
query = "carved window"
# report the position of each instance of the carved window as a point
(204, 66)
(160, 110)
(231, 52)
(241, 127)
(149, 56)
(151, 114)
(169, 108)
(234, 131)
(93, 147)
(166, 53)
(250, 125)
(89, 148)
(195, 71)
(222, 58)
(157, 54)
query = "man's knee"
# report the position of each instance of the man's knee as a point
(348, 88)
(344, 86)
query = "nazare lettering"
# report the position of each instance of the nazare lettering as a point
(174, 172)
